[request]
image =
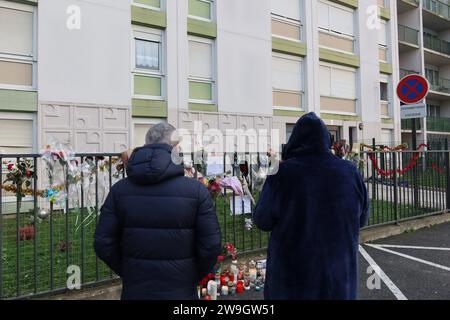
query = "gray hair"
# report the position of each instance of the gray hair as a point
(162, 133)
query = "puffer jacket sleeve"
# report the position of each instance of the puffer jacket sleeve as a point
(107, 235)
(208, 237)
(266, 213)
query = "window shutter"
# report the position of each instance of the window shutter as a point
(324, 18)
(200, 60)
(341, 21)
(382, 34)
(16, 135)
(343, 83)
(325, 81)
(286, 74)
(16, 32)
(287, 8)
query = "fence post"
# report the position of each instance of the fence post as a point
(447, 175)
(1, 229)
(394, 163)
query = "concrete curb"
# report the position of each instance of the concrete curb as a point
(385, 231)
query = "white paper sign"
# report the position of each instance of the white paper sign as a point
(241, 203)
(214, 166)
(412, 111)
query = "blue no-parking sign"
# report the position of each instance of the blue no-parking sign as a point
(411, 90)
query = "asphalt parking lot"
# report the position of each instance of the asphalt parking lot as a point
(413, 266)
(410, 266)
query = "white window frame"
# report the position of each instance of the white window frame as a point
(335, 66)
(302, 78)
(211, 11)
(145, 6)
(335, 33)
(26, 59)
(212, 81)
(149, 34)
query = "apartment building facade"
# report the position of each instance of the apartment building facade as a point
(98, 73)
(424, 48)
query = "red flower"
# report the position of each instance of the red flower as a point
(204, 281)
(28, 173)
(243, 167)
(10, 166)
(220, 258)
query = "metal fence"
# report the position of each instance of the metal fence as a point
(403, 185)
(46, 230)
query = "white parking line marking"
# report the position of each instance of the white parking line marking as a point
(410, 257)
(411, 247)
(394, 289)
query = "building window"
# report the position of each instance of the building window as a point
(148, 73)
(286, 16)
(152, 4)
(287, 81)
(433, 110)
(289, 129)
(16, 133)
(201, 70)
(337, 89)
(140, 127)
(384, 91)
(338, 82)
(383, 41)
(336, 19)
(201, 9)
(148, 54)
(17, 46)
(384, 96)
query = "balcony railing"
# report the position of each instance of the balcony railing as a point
(440, 85)
(441, 8)
(407, 124)
(407, 34)
(436, 44)
(437, 124)
(405, 72)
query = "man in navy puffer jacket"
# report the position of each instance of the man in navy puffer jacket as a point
(158, 230)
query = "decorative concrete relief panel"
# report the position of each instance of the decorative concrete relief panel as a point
(227, 121)
(88, 141)
(187, 120)
(56, 116)
(87, 128)
(209, 121)
(87, 118)
(262, 122)
(245, 122)
(114, 118)
(47, 136)
(115, 141)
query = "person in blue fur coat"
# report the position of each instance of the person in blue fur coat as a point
(314, 207)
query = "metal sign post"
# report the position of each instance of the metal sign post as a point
(412, 90)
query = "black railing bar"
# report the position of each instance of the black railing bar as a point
(36, 242)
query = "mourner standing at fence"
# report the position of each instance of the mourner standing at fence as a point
(314, 206)
(158, 230)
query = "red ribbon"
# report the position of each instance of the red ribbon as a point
(408, 167)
